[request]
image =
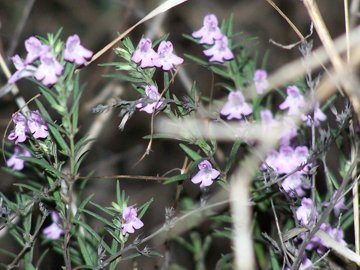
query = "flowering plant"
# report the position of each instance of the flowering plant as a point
(250, 157)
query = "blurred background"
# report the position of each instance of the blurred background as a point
(97, 22)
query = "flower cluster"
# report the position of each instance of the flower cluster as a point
(307, 215)
(210, 34)
(34, 125)
(145, 56)
(48, 69)
(295, 102)
(206, 174)
(289, 160)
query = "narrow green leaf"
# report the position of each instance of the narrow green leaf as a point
(94, 234)
(177, 178)
(191, 153)
(88, 256)
(232, 156)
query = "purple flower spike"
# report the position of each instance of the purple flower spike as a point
(76, 53)
(19, 133)
(294, 100)
(210, 31)
(220, 51)
(166, 59)
(15, 162)
(49, 70)
(130, 220)
(206, 174)
(236, 107)
(144, 54)
(55, 229)
(152, 102)
(23, 69)
(37, 125)
(260, 80)
(35, 49)
(306, 213)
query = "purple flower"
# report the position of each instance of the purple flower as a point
(130, 220)
(21, 128)
(54, 230)
(318, 116)
(76, 53)
(269, 122)
(260, 80)
(317, 244)
(210, 31)
(166, 59)
(295, 184)
(236, 107)
(37, 125)
(153, 100)
(339, 205)
(206, 174)
(35, 49)
(22, 69)
(144, 54)
(15, 162)
(49, 70)
(294, 100)
(220, 51)
(306, 213)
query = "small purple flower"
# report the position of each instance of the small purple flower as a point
(294, 100)
(37, 125)
(206, 174)
(260, 80)
(54, 230)
(306, 213)
(15, 162)
(144, 54)
(295, 184)
(269, 122)
(317, 244)
(21, 128)
(153, 100)
(166, 59)
(35, 49)
(210, 31)
(339, 205)
(236, 106)
(49, 70)
(76, 53)
(22, 69)
(130, 220)
(317, 116)
(220, 51)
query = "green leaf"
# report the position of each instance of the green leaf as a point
(125, 78)
(83, 205)
(145, 207)
(232, 158)
(88, 255)
(177, 178)
(42, 163)
(94, 234)
(105, 210)
(219, 71)
(100, 218)
(191, 153)
(196, 60)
